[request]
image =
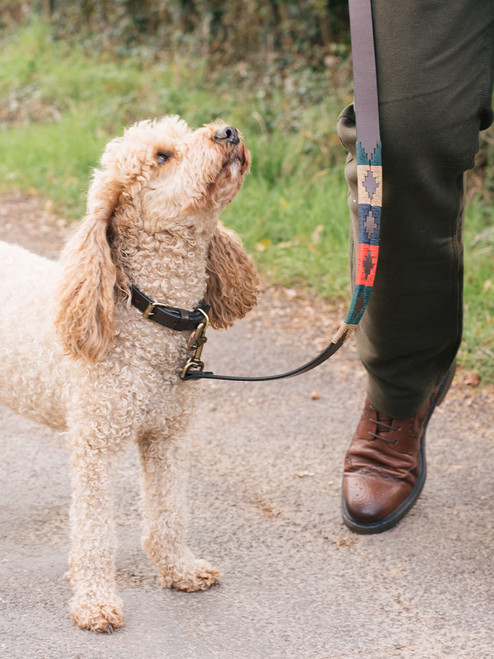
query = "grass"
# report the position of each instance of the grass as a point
(477, 352)
(59, 105)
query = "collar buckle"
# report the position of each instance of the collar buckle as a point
(149, 310)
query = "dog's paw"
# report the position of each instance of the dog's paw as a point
(97, 616)
(197, 575)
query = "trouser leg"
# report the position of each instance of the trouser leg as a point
(435, 70)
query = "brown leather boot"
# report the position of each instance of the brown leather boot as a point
(385, 465)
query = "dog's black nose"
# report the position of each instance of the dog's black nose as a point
(227, 134)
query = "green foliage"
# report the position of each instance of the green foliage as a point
(51, 92)
(63, 105)
(60, 103)
(231, 28)
(297, 230)
(478, 337)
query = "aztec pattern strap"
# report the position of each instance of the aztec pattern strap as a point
(369, 173)
(369, 165)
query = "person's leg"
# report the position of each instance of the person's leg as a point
(435, 68)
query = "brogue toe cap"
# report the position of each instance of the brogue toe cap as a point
(370, 498)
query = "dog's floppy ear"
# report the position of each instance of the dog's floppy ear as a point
(232, 279)
(84, 318)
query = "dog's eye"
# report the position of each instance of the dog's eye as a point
(163, 156)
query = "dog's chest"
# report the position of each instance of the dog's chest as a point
(153, 355)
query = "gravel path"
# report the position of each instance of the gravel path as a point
(264, 502)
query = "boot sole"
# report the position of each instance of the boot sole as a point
(393, 518)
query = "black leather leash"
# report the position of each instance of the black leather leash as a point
(369, 175)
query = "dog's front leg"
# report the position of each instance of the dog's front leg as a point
(95, 605)
(165, 468)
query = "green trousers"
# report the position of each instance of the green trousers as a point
(435, 64)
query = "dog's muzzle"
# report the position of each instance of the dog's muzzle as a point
(227, 134)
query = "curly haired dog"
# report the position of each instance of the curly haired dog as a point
(86, 361)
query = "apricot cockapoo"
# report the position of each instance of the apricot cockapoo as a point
(88, 362)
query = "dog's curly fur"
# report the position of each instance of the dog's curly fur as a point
(82, 359)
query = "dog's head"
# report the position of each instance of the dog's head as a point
(160, 176)
(171, 175)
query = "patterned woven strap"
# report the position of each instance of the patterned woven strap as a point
(369, 164)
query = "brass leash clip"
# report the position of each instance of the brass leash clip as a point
(196, 343)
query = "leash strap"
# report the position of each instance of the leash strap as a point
(369, 174)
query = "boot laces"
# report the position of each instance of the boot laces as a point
(383, 425)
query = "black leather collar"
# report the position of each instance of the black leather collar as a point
(179, 320)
